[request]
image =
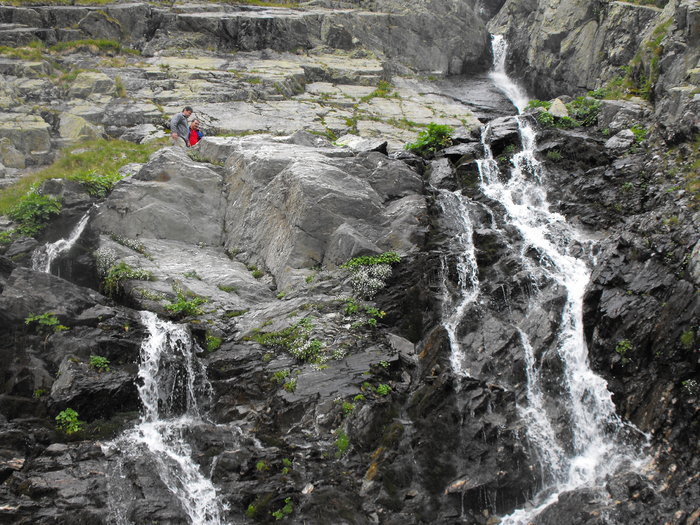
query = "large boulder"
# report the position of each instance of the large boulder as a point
(29, 134)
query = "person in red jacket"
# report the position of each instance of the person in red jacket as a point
(195, 133)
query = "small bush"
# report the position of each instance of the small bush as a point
(688, 339)
(341, 443)
(33, 212)
(99, 363)
(383, 389)
(97, 185)
(430, 140)
(584, 110)
(213, 342)
(285, 511)
(640, 133)
(47, 322)
(535, 103)
(183, 306)
(113, 282)
(67, 421)
(554, 155)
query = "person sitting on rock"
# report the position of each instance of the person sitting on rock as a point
(179, 130)
(195, 133)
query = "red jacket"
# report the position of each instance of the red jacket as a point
(195, 135)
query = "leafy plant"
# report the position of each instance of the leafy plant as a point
(117, 274)
(535, 103)
(262, 466)
(430, 140)
(97, 185)
(280, 376)
(584, 110)
(348, 408)
(383, 389)
(47, 322)
(97, 156)
(99, 363)
(285, 511)
(290, 386)
(640, 133)
(369, 273)
(213, 342)
(184, 306)
(33, 211)
(554, 155)
(296, 339)
(342, 443)
(67, 421)
(226, 288)
(688, 339)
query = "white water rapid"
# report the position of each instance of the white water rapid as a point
(592, 447)
(44, 256)
(173, 383)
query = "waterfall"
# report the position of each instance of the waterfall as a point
(172, 385)
(44, 256)
(456, 301)
(591, 448)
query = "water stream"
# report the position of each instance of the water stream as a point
(592, 447)
(44, 256)
(173, 385)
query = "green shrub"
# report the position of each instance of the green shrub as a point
(67, 421)
(383, 389)
(96, 185)
(291, 385)
(295, 339)
(101, 364)
(341, 443)
(183, 306)
(430, 140)
(47, 322)
(688, 339)
(33, 211)
(117, 274)
(285, 511)
(535, 103)
(640, 133)
(348, 408)
(262, 466)
(584, 110)
(553, 155)
(98, 45)
(87, 158)
(213, 342)
(371, 260)
(545, 119)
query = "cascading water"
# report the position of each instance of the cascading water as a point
(590, 449)
(44, 256)
(173, 383)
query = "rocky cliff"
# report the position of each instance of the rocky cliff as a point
(290, 385)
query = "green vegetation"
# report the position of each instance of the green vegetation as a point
(192, 274)
(32, 51)
(118, 274)
(94, 46)
(67, 421)
(81, 162)
(383, 91)
(382, 389)
(691, 387)
(132, 244)
(290, 386)
(348, 408)
(295, 339)
(430, 140)
(623, 347)
(341, 443)
(554, 155)
(46, 322)
(371, 260)
(182, 306)
(33, 212)
(227, 288)
(99, 363)
(688, 339)
(213, 342)
(285, 511)
(262, 466)
(369, 275)
(281, 376)
(255, 271)
(584, 110)
(640, 133)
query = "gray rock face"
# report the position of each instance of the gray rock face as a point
(172, 197)
(620, 141)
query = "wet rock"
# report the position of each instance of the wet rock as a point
(620, 141)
